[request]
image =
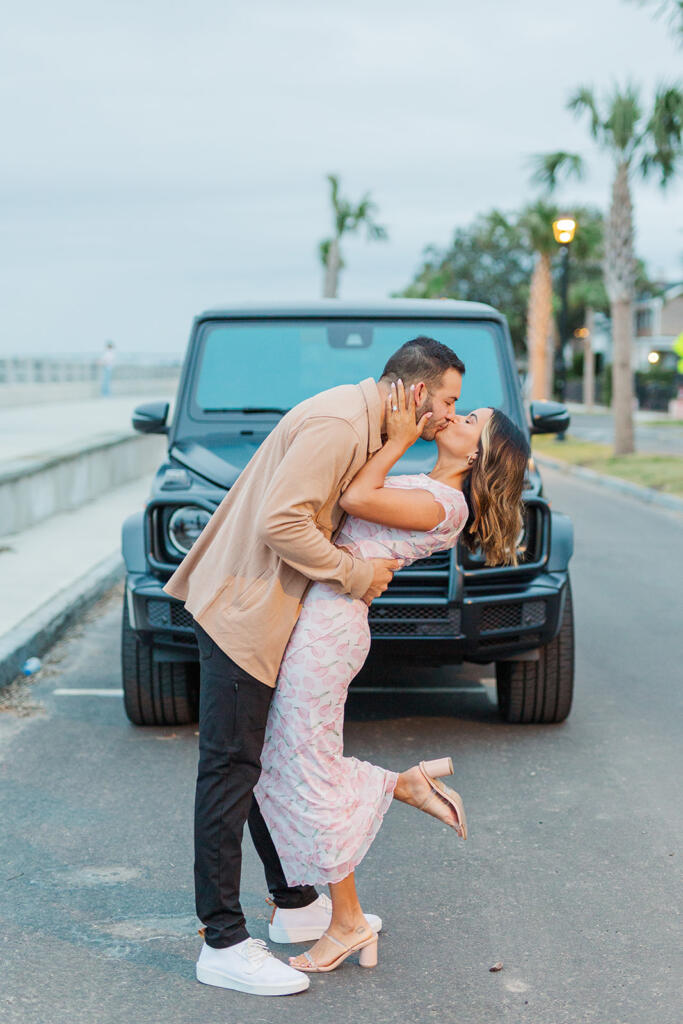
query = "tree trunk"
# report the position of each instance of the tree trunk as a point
(619, 269)
(539, 317)
(551, 347)
(622, 377)
(589, 361)
(332, 271)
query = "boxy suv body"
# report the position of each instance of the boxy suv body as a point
(243, 369)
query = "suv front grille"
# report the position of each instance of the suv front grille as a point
(414, 620)
(440, 561)
(427, 577)
(500, 616)
(168, 613)
(181, 617)
(512, 616)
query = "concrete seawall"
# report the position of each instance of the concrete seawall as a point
(32, 489)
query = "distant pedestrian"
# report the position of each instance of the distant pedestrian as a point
(106, 361)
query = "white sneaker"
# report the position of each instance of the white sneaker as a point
(249, 966)
(306, 924)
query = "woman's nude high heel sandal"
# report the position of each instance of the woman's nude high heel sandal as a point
(367, 948)
(431, 772)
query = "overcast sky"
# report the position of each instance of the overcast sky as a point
(160, 158)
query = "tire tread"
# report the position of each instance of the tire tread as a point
(155, 693)
(541, 691)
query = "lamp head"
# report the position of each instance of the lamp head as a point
(563, 230)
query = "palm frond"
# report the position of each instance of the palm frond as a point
(582, 101)
(376, 232)
(347, 219)
(548, 168)
(324, 250)
(536, 225)
(672, 10)
(334, 189)
(625, 112)
(499, 221)
(662, 138)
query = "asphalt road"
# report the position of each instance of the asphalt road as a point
(571, 875)
(650, 437)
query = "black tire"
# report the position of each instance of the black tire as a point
(540, 691)
(156, 693)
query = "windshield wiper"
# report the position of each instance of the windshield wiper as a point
(249, 409)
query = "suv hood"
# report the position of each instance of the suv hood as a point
(222, 459)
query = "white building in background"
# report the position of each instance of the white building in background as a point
(658, 323)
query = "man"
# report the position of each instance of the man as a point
(244, 581)
(106, 361)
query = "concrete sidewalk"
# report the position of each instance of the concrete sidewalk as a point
(51, 571)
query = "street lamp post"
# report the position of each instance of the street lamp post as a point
(563, 231)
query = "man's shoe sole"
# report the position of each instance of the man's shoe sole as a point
(208, 976)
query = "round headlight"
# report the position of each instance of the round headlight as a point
(185, 525)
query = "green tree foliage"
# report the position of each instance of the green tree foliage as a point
(348, 218)
(635, 139)
(492, 260)
(484, 263)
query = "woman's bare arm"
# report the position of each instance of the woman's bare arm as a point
(366, 496)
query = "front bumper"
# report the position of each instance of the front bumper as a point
(478, 626)
(450, 604)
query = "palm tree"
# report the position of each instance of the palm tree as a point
(347, 220)
(634, 141)
(537, 223)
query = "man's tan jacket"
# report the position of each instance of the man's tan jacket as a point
(245, 576)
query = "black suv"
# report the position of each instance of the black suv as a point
(243, 369)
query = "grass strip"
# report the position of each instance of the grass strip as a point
(661, 472)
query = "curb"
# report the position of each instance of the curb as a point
(39, 630)
(647, 494)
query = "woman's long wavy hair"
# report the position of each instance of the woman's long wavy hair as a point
(494, 491)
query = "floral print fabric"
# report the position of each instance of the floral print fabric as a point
(323, 809)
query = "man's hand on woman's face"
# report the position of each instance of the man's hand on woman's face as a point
(401, 423)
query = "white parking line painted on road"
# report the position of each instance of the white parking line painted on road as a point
(88, 693)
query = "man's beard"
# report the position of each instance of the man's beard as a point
(431, 429)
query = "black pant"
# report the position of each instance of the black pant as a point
(233, 710)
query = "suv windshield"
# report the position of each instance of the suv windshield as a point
(271, 365)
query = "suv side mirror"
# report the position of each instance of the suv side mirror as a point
(150, 418)
(548, 417)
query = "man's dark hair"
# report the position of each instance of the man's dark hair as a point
(422, 359)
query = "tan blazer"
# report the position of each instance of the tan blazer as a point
(245, 576)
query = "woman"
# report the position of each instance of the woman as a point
(323, 809)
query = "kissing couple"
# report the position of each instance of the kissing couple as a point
(278, 584)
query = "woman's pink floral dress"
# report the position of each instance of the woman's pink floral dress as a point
(323, 809)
